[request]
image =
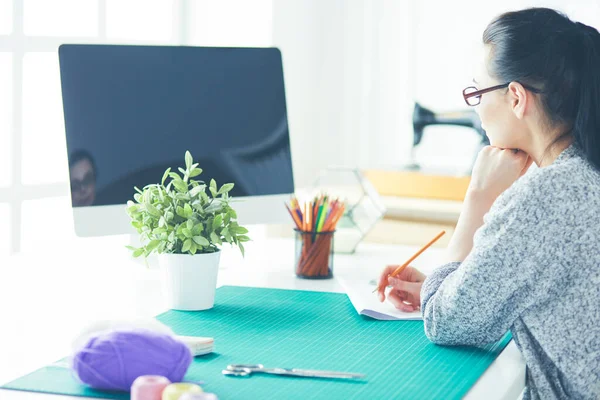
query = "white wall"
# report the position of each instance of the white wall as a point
(348, 80)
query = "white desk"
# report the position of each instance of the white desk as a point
(46, 300)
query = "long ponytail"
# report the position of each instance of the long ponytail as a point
(586, 127)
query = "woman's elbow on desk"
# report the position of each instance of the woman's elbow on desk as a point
(456, 330)
(440, 330)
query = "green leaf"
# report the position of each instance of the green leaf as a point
(181, 212)
(183, 171)
(138, 252)
(214, 206)
(158, 231)
(188, 210)
(193, 248)
(201, 240)
(243, 238)
(242, 250)
(180, 185)
(217, 221)
(197, 229)
(225, 232)
(137, 224)
(215, 238)
(187, 232)
(186, 245)
(189, 160)
(182, 196)
(232, 213)
(162, 221)
(152, 210)
(213, 188)
(165, 176)
(238, 230)
(204, 197)
(189, 223)
(195, 172)
(138, 197)
(133, 209)
(226, 188)
(196, 190)
(175, 176)
(152, 245)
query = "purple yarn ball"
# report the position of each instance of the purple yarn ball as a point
(112, 360)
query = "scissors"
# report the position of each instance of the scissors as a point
(246, 370)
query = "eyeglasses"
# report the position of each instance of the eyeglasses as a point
(472, 96)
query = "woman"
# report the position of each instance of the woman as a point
(525, 255)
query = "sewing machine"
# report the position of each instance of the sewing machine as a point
(423, 118)
(415, 179)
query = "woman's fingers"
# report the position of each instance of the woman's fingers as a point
(527, 165)
(413, 288)
(383, 281)
(397, 299)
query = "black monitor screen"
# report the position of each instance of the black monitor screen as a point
(132, 111)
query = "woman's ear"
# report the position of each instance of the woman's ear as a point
(518, 99)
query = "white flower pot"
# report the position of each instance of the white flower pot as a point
(190, 281)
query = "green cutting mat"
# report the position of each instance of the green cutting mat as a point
(313, 330)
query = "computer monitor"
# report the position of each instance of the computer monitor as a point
(132, 111)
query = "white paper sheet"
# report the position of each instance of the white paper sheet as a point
(367, 303)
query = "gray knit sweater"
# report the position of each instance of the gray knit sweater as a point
(534, 270)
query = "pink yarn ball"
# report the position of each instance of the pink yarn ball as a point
(149, 387)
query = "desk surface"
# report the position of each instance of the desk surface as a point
(65, 294)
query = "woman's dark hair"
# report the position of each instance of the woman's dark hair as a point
(545, 49)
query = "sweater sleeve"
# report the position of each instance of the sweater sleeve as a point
(475, 302)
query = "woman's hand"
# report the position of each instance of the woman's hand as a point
(405, 293)
(496, 169)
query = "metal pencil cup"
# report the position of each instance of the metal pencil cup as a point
(314, 254)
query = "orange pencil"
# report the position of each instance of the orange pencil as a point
(417, 254)
(294, 217)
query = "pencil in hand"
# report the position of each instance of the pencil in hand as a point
(401, 268)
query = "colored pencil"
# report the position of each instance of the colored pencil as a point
(401, 268)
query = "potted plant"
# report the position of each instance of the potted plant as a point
(185, 221)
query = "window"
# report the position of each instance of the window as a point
(235, 23)
(45, 232)
(6, 23)
(60, 18)
(143, 20)
(5, 119)
(44, 158)
(4, 229)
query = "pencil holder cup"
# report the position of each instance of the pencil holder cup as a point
(314, 254)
